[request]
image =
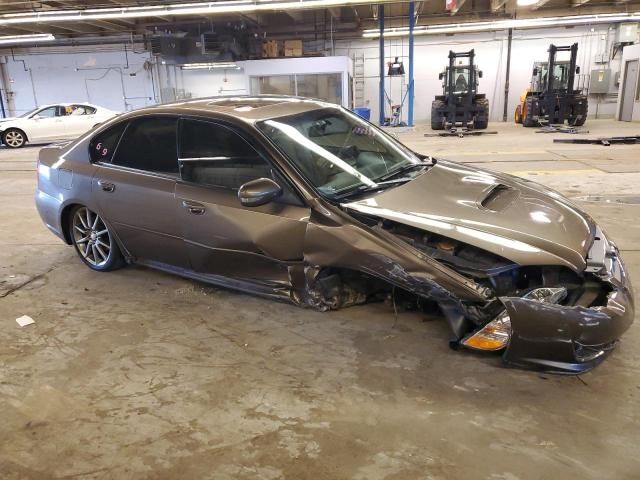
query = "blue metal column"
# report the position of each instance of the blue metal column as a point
(412, 21)
(381, 93)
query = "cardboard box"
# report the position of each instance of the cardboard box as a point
(293, 48)
(271, 49)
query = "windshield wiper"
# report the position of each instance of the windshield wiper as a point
(403, 169)
(372, 188)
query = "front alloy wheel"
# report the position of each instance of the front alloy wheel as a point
(13, 138)
(93, 240)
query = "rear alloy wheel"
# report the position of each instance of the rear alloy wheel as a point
(14, 138)
(93, 240)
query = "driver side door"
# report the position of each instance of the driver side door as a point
(223, 237)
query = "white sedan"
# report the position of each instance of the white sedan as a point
(52, 122)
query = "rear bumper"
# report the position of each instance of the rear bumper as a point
(49, 209)
(565, 339)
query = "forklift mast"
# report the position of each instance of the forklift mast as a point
(451, 71)
(553, 50)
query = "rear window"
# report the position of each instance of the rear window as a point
(103, 145)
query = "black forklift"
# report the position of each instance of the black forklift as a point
(460, 105)
(551, 98)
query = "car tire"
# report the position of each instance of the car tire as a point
(14, 138)
(91, 237)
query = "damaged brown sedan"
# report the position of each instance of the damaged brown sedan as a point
(301, 200)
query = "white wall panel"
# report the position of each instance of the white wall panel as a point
(114, 78)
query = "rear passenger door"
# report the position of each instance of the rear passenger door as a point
(79, 119)
(134, 188)
(222, 236)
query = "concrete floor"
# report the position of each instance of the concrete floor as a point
(139, 374)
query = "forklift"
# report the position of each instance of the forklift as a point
(460, 105)
(551, 98)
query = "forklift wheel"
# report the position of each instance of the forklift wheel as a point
(527, 114)
(518, 115)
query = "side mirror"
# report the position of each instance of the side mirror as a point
(440, 76)
(480, 74)
(36, 117)
(535, 72)
(578, 70)
(258, 192)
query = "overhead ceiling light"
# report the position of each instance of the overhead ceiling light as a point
(209, 66)
(471, 27)
(16, 39)
(196, 8)
(526, 3)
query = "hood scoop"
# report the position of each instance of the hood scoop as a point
(499, 197)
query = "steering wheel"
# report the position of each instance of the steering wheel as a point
(349, 151)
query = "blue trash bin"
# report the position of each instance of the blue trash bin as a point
(364, 112)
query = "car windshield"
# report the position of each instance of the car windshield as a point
(337, 151)
(30, 112)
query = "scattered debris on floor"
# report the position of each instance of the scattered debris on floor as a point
(605, 141)
(461, 133)
(25, 320)
(561, 129)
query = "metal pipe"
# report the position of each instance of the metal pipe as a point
(381, 98)
(412, 21)
(506, 81)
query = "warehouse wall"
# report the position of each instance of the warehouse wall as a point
(119, 76)
(491, 54)
(113, 77)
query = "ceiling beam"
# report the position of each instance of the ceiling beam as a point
(497, 4)
(458, 6)
(108, 26)
(541, 3)
(22, 29)
(334, 12)
(295, 15)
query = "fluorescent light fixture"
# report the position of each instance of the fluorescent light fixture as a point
(527, 3)
(196, 8)
(209, 66)
(16, 39)
(471, 27)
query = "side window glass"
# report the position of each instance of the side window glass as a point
(215, 155)
(81, 110)
(47, 112)
(103, 145)
(149, 144)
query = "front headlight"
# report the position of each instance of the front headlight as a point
(495, 335)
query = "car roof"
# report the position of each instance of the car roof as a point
(65, 104)
(249, 108)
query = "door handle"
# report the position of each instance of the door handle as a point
(106, 186)
(194, 207)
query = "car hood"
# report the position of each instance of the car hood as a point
(511, 217)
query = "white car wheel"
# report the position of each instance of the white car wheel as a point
(14, 138)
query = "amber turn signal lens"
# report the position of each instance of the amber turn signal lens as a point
(493, 336)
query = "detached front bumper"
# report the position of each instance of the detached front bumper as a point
(565, 339)
(572, 339)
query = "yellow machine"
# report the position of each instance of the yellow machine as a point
(521, 109)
